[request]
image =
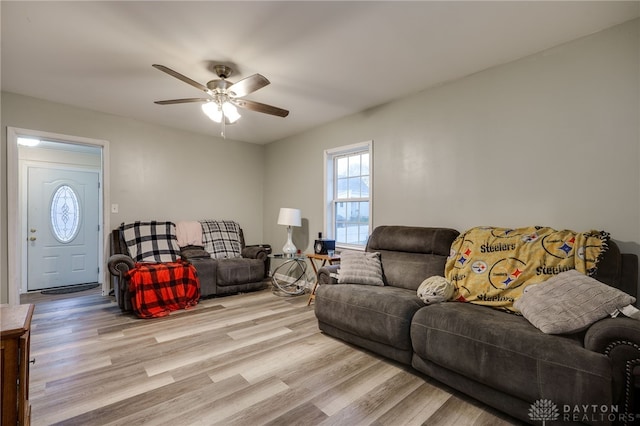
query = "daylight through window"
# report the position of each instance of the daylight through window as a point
(348, 194)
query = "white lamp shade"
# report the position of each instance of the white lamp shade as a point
(290, 217)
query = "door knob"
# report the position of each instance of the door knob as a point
(32, 238)
(32, 230)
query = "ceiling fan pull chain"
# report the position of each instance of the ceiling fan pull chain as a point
(223, 124)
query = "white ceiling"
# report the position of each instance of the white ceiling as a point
(325, 60)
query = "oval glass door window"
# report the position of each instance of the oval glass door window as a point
(65, 214)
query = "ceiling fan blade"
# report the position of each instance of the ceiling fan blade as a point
(181, 101)
(247, 85)
(259, 107)
(182, 77)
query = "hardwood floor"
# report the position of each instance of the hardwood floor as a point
(247, 359)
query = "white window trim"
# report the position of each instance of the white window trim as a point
(328, 219)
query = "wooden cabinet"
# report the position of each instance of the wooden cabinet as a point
(15, 326)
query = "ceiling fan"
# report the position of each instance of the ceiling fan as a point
(225, 96)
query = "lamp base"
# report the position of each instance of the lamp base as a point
(289, 249)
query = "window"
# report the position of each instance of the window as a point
(348, 194)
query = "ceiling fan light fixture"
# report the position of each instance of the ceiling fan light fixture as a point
(216, 113)
(224, 95)
(213, 111)
(230, 112)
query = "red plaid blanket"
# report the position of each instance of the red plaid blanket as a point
(159, 288)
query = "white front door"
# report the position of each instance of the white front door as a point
(62, 227)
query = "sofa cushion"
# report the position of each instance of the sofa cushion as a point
(409, 270)
(239, 271)
(151, 241)
(505, 352)
(194, 252)
(207, 269)
(410, 254)
(570, 302)
(380, 314)
(221, 238)
(412, 239)
(360, 268)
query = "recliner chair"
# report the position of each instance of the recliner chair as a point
(217, 276)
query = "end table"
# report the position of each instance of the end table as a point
(288, 278)
(319, 257)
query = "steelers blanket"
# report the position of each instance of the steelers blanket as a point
(492, 266)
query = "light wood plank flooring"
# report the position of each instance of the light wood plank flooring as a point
(249, 359)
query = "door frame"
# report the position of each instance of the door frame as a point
(15, 216)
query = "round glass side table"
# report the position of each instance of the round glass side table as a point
(290, 277)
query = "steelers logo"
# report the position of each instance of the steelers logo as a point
(505, 272)
(479, 267)
(557, 247)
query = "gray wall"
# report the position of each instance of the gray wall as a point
(551, 139)
(156, 172)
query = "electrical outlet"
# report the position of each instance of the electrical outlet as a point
(114, 208)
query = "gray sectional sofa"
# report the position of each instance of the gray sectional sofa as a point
(217, 276)
(498, 358)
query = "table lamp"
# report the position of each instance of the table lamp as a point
(289, 218)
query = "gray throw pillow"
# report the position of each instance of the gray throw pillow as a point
(360, 268)
(570, 302)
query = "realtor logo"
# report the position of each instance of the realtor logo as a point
(543, 410)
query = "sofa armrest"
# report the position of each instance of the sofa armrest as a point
(324, 274)
(259, 252)
(618, 339)
(602, 334)
(119, 264)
